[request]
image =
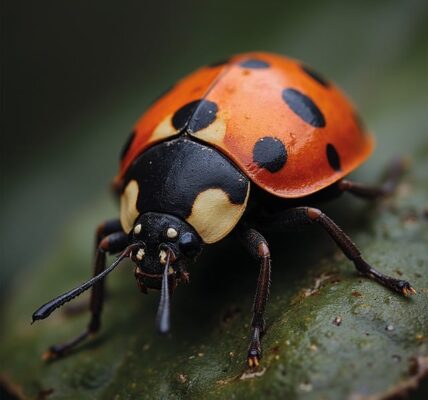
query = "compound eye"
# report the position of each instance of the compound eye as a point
(189, 245)
(171, 233)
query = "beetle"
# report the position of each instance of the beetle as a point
(248, 145)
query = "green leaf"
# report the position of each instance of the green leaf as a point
(330, 333)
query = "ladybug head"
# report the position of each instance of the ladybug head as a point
(163, 245)
(160, 245)
(162, 239)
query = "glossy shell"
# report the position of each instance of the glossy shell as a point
(287, 128)
(189, 180)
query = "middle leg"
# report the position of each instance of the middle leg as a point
(257, 246)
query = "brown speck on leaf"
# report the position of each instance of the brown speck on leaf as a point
(337, 321)
(410, 218)
(356, 293)
(398, 272)
(420, 337)
(252, 374)
(316, 287)
(182, 378)
(275, 349)
(305, 387)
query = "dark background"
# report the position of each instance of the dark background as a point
(76, 75)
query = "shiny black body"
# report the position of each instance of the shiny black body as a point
(166, 181)
(172, 174)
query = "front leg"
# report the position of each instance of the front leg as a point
(109, 239)
(256, 244)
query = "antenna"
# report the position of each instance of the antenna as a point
(46, 309)
(162, 317)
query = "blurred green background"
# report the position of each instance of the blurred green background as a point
(77, 75)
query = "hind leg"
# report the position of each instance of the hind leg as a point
(302, 216)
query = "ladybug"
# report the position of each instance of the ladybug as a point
(250, 145)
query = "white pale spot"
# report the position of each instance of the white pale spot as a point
(164, 129)
(213, 133)
(162, 257)
(171, 233)
(128, 206)
(214, 215)
(140, 254)
(137, 229)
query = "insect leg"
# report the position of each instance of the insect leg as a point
(256, 244)
(105, 229)
(299, 216)
(107, 241)
(387, 187)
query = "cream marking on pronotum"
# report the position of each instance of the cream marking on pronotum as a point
(214, 215)
(171, 233)
(128, 206)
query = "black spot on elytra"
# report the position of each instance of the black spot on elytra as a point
(195, 115)
(182, 115)
(315, 75)
(204, 115)
(127, 145)
(304, 107)
(254, 63)
(333, 157)
(270, 153)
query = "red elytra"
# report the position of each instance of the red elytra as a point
(262, 95)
